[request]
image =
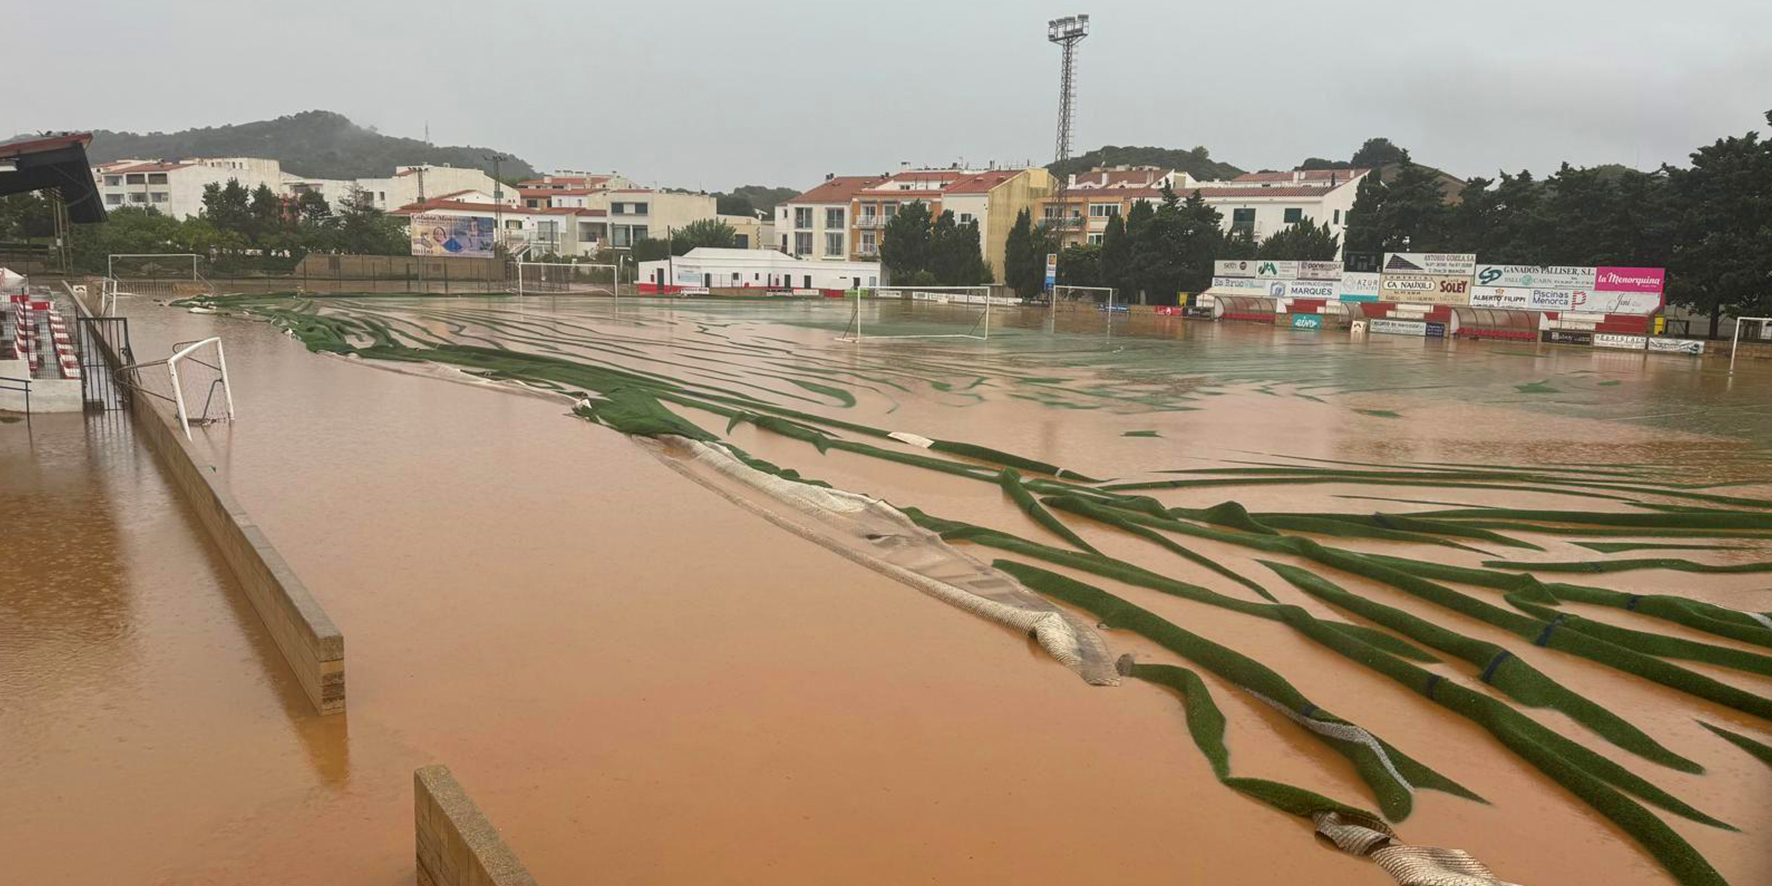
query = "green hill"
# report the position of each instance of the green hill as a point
(321, 144)
(1197, 162)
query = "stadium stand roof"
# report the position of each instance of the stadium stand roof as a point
(53, 160)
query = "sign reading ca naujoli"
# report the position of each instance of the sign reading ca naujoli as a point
(1535, 277)
(1423, 289)
(1442, 264)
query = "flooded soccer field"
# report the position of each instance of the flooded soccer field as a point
(688, 590)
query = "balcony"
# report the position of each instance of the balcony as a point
(870, 222)
(1072, 223)
(867, 251)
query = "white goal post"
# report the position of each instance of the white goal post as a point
(197, 372)
(1765, 326)
(565, 278)
(934, 297)
(145, 267)
(1100, 294)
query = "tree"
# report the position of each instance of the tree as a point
(1239, 244)
(1204, 236)
(1116, 255)
(1722, 212)
(366, 230)
(731, 204)
(955, 256)
(1301, 241)
(266, 215)
(311, 206)
(1378, 152)
(1161, 238)
(710, 232)
(228, 206)
(905, 241)
(25, 216)
(1025, 256)
(1320, 163)
(1080, 265)
(651, 249)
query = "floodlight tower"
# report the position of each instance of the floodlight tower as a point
(1067, 32)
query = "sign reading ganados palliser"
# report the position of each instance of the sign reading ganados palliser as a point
(1442, 264)
(1535, 277)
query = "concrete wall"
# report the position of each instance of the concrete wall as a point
(456, 844)
(313, 646)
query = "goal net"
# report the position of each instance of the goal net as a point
(565, 278)
(1101, 295)
(1749, 329)
(152, 274)
(193, 380)
(922, 312)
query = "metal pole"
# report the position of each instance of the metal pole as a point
(221, 359)
(1735, 346)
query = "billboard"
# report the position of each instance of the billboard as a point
(1358, 286)
(1398, 327)
(1630, 280)
(1241, 284)
(1307, 321)
(1535, 277)
(1424, 289)
(1439, 264)
(466, 236)
(1319, 289)
(1552, 299)
(1235, 267)
(1319, 270)
(1276, 270)
(1615, 302)
(1500, 297)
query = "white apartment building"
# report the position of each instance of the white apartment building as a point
(175, 188)
(1265, 202)
(815, 225)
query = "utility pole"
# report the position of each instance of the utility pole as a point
(1067, 32)
(498, 199)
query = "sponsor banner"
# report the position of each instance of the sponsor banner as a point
(1319, 270)
(1359, 286)
(1387, 326)
(1434, 329)
(1307, 321)
(1236, 267)
(1501, 297)
(1439, 264)
(1629, 279)
(1622, 342)
(1676, 346)
(1241, 284)
(1552, 299)
(1568, 337)
(687, 277)
(1276, 270)
(454, 235)
(1321, 289)
(1169, 311)
(1535, 277)
(1615, 302)
(1424, 289)
(1051, 271)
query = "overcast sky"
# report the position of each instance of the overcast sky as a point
(705, 94)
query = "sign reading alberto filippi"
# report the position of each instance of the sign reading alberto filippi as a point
(1441, 264)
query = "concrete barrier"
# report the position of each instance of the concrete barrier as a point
(313, 646)
(456, 844)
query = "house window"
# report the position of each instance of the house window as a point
(1293, 215)
(1104, 210)
(1338, 216)
(803, 242)
(869, 244)
(833, 218)
(802, 216)
(833, 243)
(1243, 220)
(742, 240)
(113, 199)
(136, 178)
(138, 197)
(112, 181)
(965, 218)
(1095, 239)
(156, 178)
(158, 196)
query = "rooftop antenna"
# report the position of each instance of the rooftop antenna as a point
(1067, 32)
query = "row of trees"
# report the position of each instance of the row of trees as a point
(917, 249)
(1709, 224)
(1160, 250)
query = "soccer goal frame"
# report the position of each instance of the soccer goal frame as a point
(942, 295)
(531, 279)
(113, 285)
(193, 353)
(1735, 343)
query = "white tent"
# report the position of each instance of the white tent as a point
(11, 282)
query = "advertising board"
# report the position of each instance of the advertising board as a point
(1276, 270)
(1615, 302)
(1568, 337)
(1358, 286)
(452, 235)
(1551, 299)
(1319, 270)
(1235, 267)
(1423, 289)
(1676, 346)
(1387, 326)
(1441, 264)
(1241, 284)
(1621, 342)
(1319, 289)
(1501, 297)
(1630, 279)
(1307, 321)
(1535, 277)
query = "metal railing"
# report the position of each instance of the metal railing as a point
(1067, 223)
(870, 222)
(8, 383)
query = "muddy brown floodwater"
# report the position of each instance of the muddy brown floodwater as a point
(641, 683)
